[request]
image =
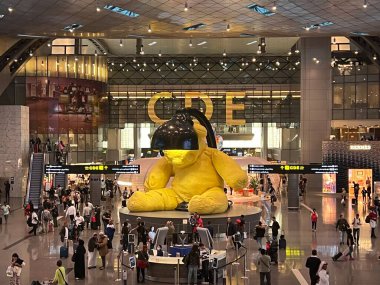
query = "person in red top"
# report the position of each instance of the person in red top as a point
(314, 219)
(198, 224)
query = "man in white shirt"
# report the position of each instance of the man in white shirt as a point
(356, 223)
(6, 210)
(87, 214)
(103, 186)
(71, 212)
(79, 221)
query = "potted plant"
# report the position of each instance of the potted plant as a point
(253, 184)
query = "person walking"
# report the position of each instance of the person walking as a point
(373, 222)
(350, 243)
(275, 227)
(142, 263)
(230, 232)
(342, 226)
(356, 224)
(323, 274)
(102, 248)
(356, 191)
(87, 214)
(260, 233)
(314, 219)
(264, 267)
(60, 274)
(192, 262)
(6, 211)
(71, 211)
(110, 232)
(34, 222)
(91, 263)
(78, 259)
(16, 268)
(45, 218)
(313, 262)
(364, 195)
(54, 214)
(7, 191)
(125, 230)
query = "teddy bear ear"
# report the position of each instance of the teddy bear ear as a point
(200, 130)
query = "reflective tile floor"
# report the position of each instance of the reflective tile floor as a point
(41, 252)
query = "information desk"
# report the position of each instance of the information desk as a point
(161, 268)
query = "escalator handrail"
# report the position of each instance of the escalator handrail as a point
(29, 178)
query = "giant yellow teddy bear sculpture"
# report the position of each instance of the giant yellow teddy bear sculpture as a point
(199, 177)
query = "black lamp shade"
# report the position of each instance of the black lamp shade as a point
(176, 134)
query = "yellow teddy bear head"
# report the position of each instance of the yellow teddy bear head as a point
(183, 158)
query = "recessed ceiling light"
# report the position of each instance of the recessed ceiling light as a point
(121, 43)
(10, 9)
(96, 53)
(202, 43)
(224, 53)
(186, 7)
(260, 9)
(318, 26)
(251, 43)
(2, 16)
(149, 29)
(49, 44)
(152, 43)
(190, 43)
(274, 7)
(98, 9)
(253, 59)
(297, 51)
(159, 53)
(121, 11)
(365, 4)
(356, 52)
(374, 57)
(228, 28)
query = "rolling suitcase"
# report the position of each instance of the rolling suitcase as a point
(337, 256)
(63, 252)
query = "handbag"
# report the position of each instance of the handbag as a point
(9, 271)
(74, 257)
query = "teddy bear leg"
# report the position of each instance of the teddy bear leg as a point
(163, 199)
(213, 201)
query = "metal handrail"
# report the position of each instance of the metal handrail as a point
(235, 260)
(29, 178)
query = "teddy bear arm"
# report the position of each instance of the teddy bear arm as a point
(159, 175)
(229, 170)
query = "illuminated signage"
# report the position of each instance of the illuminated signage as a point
(360, 147)
(92, 169)
(293, 169)
(189, 96)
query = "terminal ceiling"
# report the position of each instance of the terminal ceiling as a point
(167, 18)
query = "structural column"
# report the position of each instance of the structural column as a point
(264, 141)
(113, 147)
(136, 140)
(315, 100)
(293, 192)
(95, 189)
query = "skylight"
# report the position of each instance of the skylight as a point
(245, 35)
(360, 33)
(71, 28)
(152, 43)
(260, 9)
(121, 11)
(194, 27)
(317, 26)
(202, 43)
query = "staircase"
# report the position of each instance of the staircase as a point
(60, 179)
(36, 169)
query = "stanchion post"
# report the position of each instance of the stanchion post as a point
(175, 275)
(118, 268)
(215, 275)
(245, 267)
(178, 272)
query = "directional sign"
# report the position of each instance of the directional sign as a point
(293, 169)
(92, 169)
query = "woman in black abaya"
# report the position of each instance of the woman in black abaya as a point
(79, 260)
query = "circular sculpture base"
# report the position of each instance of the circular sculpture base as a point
(180, 219)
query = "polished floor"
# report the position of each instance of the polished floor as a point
(41, 252)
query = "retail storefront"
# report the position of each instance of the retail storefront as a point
(358, 162)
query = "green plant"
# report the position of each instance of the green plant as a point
(253, 183)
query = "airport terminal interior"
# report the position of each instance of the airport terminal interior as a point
(189, 142)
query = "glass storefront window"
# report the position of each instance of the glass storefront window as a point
(373, 95)
(349, 95)
(338, 96)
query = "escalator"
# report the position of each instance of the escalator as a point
(60, 179)
(35, 178)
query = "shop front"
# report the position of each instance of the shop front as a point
(359, 163)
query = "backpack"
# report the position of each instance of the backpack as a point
(367, 219)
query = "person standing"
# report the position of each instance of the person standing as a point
(6, 210)
(60, 274)
(260, 233)
(142, 263)
(106, 217)
(125, 230)
(356, 191)
(210, 228)
(230, 232)
(34, 222)
(46, 218)
(356, 224)
(264, 267)
(192, 262)
(364, 195)
(323, 274)
(110, 232)
(350, 243)
(102, 248)
(313, 262)
(275, 227)
(7, 191)
(16, 265)
(373, 222)
(78, 258)
(92, 251)
(342, 226)
(71, 211)
(87, 215)
(369, 191)
(314, 219)
(54, 214)
(171, 231)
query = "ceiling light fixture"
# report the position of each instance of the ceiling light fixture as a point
(277, 63)
(274, 7)
(289, 53)
(251, 43)
(96, 53)
(228, 28)
(202, 43)
(30, 53)
(149, 29)
(186, 7)
(190, 43)
(152, 43)
(356, 52)
(10, 9)
(374, 57)
(121, 43)
(365, 4)
(98, 9)
(253, 59)
(49, 44)
(224, 53)
(159, 53)
(297, 51)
